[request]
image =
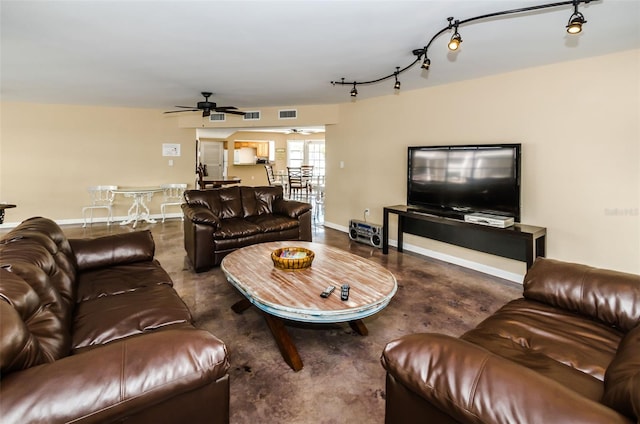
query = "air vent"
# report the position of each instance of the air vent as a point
(287, 114)
(252, 116)
(217, 117)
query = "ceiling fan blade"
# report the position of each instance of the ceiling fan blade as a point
(225, 107)
(233, 112)
(177, 111)
(186, 107)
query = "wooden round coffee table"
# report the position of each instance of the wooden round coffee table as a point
(295, 295)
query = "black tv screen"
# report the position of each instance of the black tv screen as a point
(465, 179)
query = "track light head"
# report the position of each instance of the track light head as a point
(426, 63)
(396, 86)
(575, 23)
(455, 42)
(354, 90)
(576, 20)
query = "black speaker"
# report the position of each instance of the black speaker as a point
(365, 232)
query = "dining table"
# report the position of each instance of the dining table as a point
(139, 211)
(282, 178)
(204, 182)
(4, 206)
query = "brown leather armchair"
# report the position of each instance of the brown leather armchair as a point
(219, 221)
(91, 330)
(567, 352)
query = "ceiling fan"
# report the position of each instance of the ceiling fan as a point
(297, 131)
(207, 107)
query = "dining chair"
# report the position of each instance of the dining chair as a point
(102, 197)
(318, 207)
(201, 170)
(276, 180)
(271, 177)
(296, 183)
(307, 177)
(173, 196)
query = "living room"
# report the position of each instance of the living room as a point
(581, 162)
(577, 121)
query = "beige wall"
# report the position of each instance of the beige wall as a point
(50, 154)
(578, 123)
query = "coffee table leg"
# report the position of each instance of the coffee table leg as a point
(359, 327)
(283, 340)
(241, 306)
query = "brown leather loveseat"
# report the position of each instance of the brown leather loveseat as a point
(91, 330)
(567, 352)
(219, 221)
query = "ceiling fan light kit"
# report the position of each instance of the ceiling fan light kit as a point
(573, 27)
(207, 107)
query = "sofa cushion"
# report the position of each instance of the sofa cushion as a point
(232, 228)
(25, 247)
(622, 380)
(259, 200)
(23, 325)
(609, 296)
(114, 383)
(116, 249)
(47, 315)
(110, 318)
(572, 349)
(225, 246)
(473, 385)
(120, 279)
(269, 223)
(223, 202)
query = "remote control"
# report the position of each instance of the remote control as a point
(327, 292)
(344, 292)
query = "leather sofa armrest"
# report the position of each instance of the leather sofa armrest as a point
(290, 208)
(114, 249)
(105, 384)
(473, 385)
(201, 215)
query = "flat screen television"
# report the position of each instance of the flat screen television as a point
(455, 180)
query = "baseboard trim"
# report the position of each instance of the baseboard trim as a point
(98, 220)
(486, 269)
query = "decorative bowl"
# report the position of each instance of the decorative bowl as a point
(292, 258)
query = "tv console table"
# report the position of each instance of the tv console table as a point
(519, 242)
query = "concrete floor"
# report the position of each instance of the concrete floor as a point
(342, 380)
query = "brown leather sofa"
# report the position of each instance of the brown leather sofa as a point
(567, 352)
(219, 221)
(93, 331)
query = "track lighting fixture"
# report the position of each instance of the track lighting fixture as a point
(576, 20)
(573, 27)
(426, 63)
(456, 40)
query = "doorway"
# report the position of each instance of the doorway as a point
(211, 155)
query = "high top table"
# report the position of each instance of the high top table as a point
(138, 210)
(295, 295)
(4, 206)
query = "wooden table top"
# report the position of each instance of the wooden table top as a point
(295, 295)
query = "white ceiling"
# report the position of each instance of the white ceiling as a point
(157, 54)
